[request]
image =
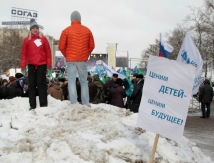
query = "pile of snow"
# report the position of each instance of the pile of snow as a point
(69, 133)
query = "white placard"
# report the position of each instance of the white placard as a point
(38, 42)
(166, 94)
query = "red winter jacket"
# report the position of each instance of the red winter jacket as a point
(31, 54)
(76, 42)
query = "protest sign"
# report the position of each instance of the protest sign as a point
(166, 95)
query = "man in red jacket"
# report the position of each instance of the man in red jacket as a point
(37, 54)
(76, 44)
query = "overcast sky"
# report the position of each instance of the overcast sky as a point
(133, 24)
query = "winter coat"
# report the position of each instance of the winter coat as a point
(206, 92)
(137, 92)
(14, 90)
(92, 91)
(100, 92)
(76, 42)
(3, 91)
(117, 94)
(55, 91)
(128, 87)
(110, 83)
(33, 55)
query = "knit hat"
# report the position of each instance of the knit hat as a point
(18, 75)
(75, 15)
(206, 81)
(12, 79)
(62, 80)
(89, 78)
(140, 76)
(33, 23)
(115, 75)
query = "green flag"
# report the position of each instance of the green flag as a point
(139, 71)
(50, 75)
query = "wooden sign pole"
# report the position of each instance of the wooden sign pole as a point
(154, 148)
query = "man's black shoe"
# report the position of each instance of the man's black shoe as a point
(202, 117)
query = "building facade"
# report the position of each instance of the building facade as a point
(10, 47)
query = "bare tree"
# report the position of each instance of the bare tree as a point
(175, 38)
(200, 25)
(10, 49)
(152, 49)
(202, 31)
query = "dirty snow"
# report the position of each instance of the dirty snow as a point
(66, 133)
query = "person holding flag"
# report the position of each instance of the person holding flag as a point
(165, 48)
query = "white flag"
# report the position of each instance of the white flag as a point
(109, 70)
(189, 54)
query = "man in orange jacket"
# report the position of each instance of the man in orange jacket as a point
(76, 44)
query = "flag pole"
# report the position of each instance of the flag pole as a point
(159, 45)
(154, 148)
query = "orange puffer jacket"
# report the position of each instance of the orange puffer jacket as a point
(76, 42)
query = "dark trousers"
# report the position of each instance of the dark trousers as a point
(37, 82)
(204, 112)
(134, 108)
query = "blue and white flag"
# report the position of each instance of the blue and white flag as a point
(189, 54)
(109, 70)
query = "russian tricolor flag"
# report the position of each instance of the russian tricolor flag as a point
(165, 49)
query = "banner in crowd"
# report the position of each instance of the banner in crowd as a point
(189, 54)
(60, 60)
(166, 97)
(101, 66)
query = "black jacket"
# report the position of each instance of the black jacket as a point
(137, 92)
(206, 92)
(117, 94)
(14, 90)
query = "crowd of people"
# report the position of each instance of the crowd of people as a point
(115, 91)
(76, 44)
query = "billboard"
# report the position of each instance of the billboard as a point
(59, 60)
(112, 47)
(122, 58)
(23, 13)
(95, 57)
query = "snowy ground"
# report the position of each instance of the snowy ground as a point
(65, 133)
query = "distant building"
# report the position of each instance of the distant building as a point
(10, 52)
